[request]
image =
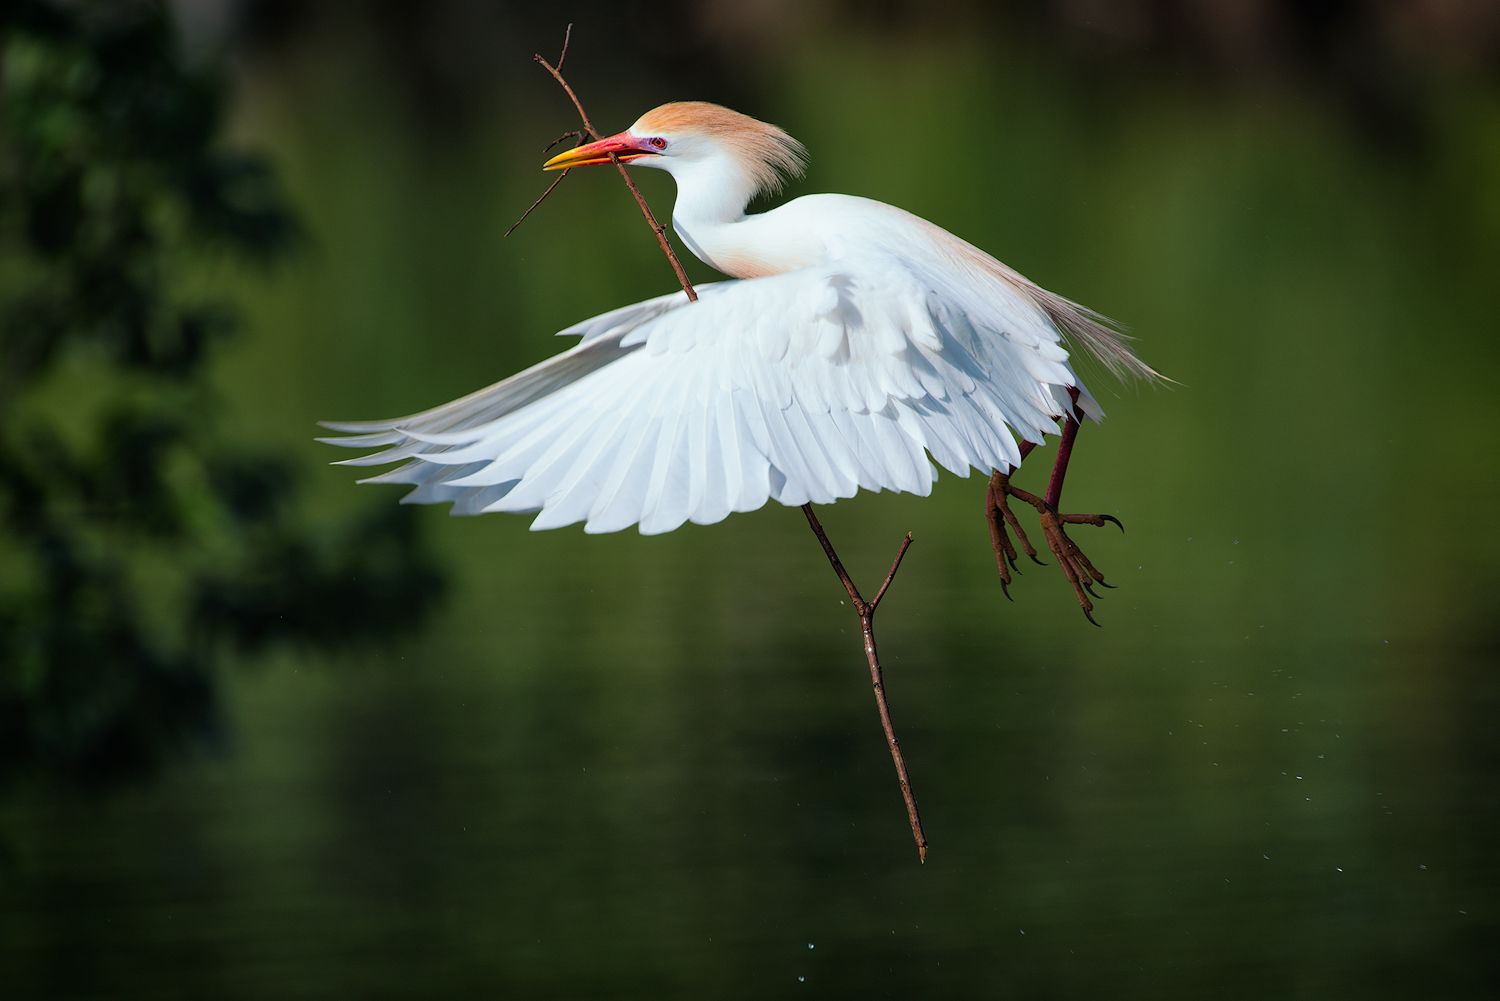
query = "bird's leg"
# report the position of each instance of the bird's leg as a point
(1076, 567)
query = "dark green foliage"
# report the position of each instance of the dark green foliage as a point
(138, 547)
(374, 578)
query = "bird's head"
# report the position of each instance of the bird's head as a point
(695, 141)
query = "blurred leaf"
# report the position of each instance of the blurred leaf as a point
(145, 545)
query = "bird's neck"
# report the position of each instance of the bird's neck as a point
(709, 203)
(710, 218)
(712, 192)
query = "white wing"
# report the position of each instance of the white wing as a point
(804, 386)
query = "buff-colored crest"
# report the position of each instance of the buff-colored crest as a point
(768, 155)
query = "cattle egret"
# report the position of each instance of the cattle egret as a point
(855, 341)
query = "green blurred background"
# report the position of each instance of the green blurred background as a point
(651, 767)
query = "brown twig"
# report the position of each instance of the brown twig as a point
(563, 56)
(865, 609)
(536, 203)
(656, 227)
(866, 612)
(576, 136)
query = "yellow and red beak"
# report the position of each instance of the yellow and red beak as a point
(626, 146)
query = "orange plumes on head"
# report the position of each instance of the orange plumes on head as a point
(768, 155)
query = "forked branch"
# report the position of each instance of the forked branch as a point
(866, 612)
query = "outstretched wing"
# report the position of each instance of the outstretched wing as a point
(805, 386)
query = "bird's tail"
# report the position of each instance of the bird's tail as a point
(1098, 334)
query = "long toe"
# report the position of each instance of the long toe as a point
(1097, 520)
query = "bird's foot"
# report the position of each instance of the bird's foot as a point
(1076, 567)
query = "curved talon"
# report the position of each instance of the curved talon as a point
(1086, 615)
(1089, 589)
(1035, 560)
(1107, 517)
(1102, 584)
(1005, 588)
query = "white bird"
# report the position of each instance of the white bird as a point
(856, 342)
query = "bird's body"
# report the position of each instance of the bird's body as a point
(858, 340)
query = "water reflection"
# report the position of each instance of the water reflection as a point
(621, 766)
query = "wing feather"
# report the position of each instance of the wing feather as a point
(806, 386)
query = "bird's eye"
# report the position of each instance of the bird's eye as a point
(659, 143)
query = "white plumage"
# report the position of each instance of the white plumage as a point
(860, 341)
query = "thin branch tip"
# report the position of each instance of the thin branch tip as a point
(535, 204)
